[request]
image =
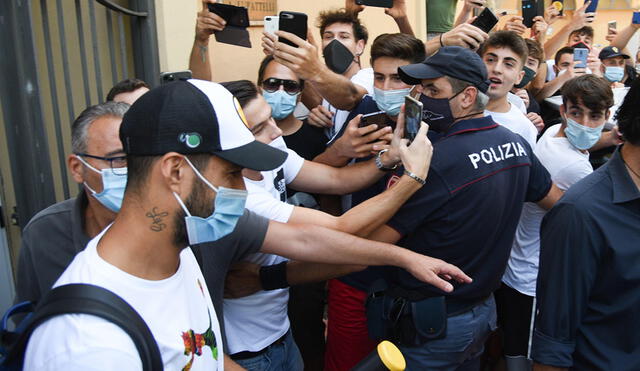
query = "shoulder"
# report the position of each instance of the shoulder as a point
(589, 193)
(55, 214)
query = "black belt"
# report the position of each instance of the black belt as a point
(247, 354)
(455, 306)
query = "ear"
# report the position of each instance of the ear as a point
(76, 168)
(468, 97)
(521, 75)
(360, 48)
(175, 173)
(562, 110)
(607, 114)
(555, 69)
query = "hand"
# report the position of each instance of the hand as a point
(207, 22)
(416, 157)
(539, 28)
(580, 18)
(321, 117)
(551, 14)
(616, 137)
(399, 9)
(616, 85)
(303, 60)
(474, 4)
(593, 62)
(515, 24)
(536, 120)
(352, 7)
(465, 35)
(358, 142)
(243, 279)
(435, 271)
(522, 93)
(611, 35)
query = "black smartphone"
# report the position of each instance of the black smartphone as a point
(412, 117)
(530, 10)
(237, 16)
(167, 77)
(295, 23)
(486, 20)
(379, 118)
(592, 7)
(580, 54)
(378, 3)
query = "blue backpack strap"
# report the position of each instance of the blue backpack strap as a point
(80, 298)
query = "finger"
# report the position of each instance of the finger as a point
(365, 130)
(584, 6)
(455, 272)
(422, 132)
(398, 132)
(438, 282)
(325, 111)
(377, 134)
(380, 145)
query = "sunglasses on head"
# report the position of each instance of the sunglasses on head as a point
(290, 87)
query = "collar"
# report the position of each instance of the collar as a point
(624, 189)
(80, 238)
(470, 125)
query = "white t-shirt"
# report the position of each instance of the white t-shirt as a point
(256, 321)
(178, 310)
(566, 165)
(517, 122)
(364, 78)
(517, 101)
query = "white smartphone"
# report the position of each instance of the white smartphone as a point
(271, 24)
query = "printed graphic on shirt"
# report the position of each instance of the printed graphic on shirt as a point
(498, 153)
(193, 343)
(280, 185)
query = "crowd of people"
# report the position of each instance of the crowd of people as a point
(269, 225)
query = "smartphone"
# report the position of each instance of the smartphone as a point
(559, 5)
(379, 118)
(611, 25)
(412, 117)
(237, 16)
(271, 24)
(530, 10)
(592, 7)
(167, 77)
(293, 22)
(636, 18)
(486, 20)
(580, 54)
(378, 3)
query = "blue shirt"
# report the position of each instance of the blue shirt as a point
(589, 280)
(466, 214)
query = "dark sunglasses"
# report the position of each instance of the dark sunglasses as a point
(290, 87)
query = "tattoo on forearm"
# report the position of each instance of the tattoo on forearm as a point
(156, 224)
(203, 52)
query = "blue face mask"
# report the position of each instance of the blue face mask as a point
(114, 181)
(614, 74)
(282, 103)
(228, 208)
(580, 136)
(390, 101)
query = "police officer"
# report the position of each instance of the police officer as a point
(466, 213)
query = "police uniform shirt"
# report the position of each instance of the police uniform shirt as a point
(467, 212)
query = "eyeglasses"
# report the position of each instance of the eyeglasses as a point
(272, 84)
(117, 164)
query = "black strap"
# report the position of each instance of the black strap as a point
(94, 300)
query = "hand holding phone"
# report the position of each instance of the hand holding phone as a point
(580, 54)
(592, 7)
(412, 117)
(486, 20)
(376, 3)
(271, 24)
(295, 23)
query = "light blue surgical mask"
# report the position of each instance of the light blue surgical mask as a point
(390, 101)
(614, 74)
(228, 208)
(282, 103)
(580, 136)
(114, 182)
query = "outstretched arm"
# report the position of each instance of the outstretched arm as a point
(206, 24)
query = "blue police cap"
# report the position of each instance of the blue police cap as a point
(453, 61)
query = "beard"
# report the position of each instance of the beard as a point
(199, 204)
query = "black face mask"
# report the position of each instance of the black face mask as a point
(436, 112)
(337, 57)
(529, 74)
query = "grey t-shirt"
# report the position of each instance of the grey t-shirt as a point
(215, 258)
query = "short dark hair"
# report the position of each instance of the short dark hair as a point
(398, 45)
(244, 90)
(329, 17)
(561, 52)
(138, 168)
(126, 86)
(263, 66)
(628, 115)
(584, 31)
(506, 39)
(535, 50)
(592, 91)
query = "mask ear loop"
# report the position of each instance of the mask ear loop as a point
(200, 175)
(90, 167)
(184, 208)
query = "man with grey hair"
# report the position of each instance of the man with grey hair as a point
(466, 213)
(56, 234)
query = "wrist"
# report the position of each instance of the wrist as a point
(420, 179)
(202, 40)
(385, 161)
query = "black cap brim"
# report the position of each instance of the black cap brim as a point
(413, 74)
(255, 156)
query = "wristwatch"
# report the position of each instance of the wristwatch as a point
(380, 165)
